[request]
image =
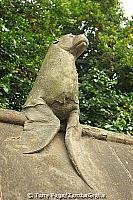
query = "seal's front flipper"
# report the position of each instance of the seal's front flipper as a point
(76, 149)
(40, 128)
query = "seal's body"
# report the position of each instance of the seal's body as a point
(57, 81)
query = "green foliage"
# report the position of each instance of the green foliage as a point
(105, 70)
(22, 50)
(102, 105)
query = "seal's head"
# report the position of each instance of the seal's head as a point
(75, 44)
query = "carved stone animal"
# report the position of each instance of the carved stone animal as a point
(54, 96)
(53, 100)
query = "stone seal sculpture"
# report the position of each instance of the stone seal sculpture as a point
(100, 160)
(53, 100)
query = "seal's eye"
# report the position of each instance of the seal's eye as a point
(71, 35)
(56, 41)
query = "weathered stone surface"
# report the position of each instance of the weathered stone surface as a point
(102, 134)
(12, 116)
(51, 171)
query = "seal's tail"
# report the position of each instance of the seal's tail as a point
(77, 152)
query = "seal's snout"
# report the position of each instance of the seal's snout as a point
(81, 39)
(80, 44)
(84, 36)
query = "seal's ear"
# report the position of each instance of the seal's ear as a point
(55, 42)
